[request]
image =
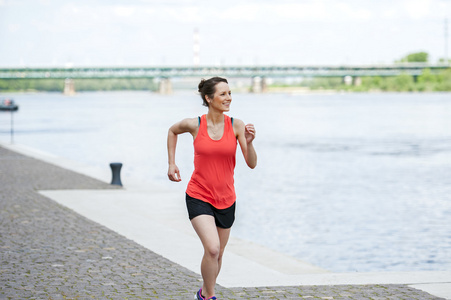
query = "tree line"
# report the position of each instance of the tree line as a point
(426, 82)
(81, 85)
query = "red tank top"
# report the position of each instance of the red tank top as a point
(214, 163)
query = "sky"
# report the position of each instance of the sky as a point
(63, 33)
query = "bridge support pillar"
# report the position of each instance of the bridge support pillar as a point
(69, 87)
(259, 85)
(165, 86)
(347, 80)
(357, 81)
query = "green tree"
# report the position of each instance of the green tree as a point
(404, 82)
(442, 61)
(444, 81)
(415, 57)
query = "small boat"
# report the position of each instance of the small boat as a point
(8, 104)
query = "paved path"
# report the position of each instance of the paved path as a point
(48, 251)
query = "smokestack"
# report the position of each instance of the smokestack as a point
(196, 48)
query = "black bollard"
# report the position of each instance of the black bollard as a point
(116, 169)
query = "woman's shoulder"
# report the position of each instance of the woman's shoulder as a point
(238, 124)
(237, 121)
(190, 120)
(189, 123)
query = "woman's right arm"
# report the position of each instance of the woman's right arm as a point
(186, 125)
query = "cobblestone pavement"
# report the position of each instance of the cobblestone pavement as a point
(50, 252)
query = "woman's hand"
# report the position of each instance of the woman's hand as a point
(174, 173)
(186, 125)
(249, 133)
(245, 135)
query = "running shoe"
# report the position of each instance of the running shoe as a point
(198, 295)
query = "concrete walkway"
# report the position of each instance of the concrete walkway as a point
(69, 236)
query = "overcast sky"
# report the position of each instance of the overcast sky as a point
(277, 32)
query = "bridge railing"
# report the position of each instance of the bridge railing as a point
(414, 69)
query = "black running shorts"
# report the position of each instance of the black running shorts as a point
(224, 218)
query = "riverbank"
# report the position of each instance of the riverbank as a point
(292, 90)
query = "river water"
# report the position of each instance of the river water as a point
(348, 182)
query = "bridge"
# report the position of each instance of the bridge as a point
(350, 73)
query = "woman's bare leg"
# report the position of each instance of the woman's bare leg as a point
(223, 239)
(206, 229)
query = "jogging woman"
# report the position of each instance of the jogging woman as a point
(210, 194)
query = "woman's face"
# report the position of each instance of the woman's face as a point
(222, 97)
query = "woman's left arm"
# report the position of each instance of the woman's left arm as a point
(246, 135)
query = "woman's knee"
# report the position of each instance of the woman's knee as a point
(214, 251)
